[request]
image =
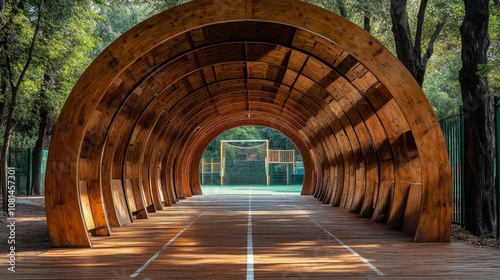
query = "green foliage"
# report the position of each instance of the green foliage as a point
(494, 51)
(441, 83)
(60, 55)
(117, 17)
(442, 86)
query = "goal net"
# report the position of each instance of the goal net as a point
(244, 162)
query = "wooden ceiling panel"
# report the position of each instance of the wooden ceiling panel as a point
(317, 45)
(221, 53)
(256, 70)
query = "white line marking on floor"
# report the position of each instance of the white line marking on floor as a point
(373, 267)
(250, 274)
(145, 265)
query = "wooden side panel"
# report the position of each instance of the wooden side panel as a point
(155, 190)
(148, 197)
(101, 225)
(130, 195)
(372, 178)
(412, 213)
(120, 203)
(161, 195)
(435, 220)
(86, 209)
(108, 199)
(398, 207)
(383, 198)
(139, 198)
(341, 178)
(367, 208)
(65, 222)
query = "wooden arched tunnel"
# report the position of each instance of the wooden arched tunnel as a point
(130, 137)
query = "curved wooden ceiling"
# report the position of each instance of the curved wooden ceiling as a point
(130, 137)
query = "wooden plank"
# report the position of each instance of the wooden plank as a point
(119, 203)
(382, 201)
(412, 211)
(101, 225)
(399, 203)
(138, 195)
(86, 209)
(129, 194)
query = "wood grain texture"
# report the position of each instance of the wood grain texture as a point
(141, 115)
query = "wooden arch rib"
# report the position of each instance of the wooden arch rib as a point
(131, 134)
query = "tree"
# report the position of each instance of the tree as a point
(17, 58)
(348, 8)
(479, 120)
(409, 52)
(116, 17)
(441, 84)
(29, 47)
(63, 55)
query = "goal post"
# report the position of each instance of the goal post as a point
(244, 162)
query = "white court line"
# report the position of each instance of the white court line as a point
(373, 267)
(250, 274)
(145, 265)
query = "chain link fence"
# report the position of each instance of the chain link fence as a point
(21, 160)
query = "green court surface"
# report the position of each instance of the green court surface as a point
(253, 189)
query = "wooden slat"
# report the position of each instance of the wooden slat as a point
(86, 209)
(101, 224)
(119, 203)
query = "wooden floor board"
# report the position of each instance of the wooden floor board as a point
(294, 237)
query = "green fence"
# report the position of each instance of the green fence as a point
(454, 137)
(453, 131)
(21, 160)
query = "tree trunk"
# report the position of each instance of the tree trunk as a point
(45, 114)
(430, 49)
(3, 94)
(479, 121)
(402, 35)
(2, 11)
(367, 26)
(9, 127)
(38, 151)
(409, 52)
(342, 8)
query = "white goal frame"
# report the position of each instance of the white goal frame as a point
(223, 157)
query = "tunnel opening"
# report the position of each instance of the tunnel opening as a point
(255, 157)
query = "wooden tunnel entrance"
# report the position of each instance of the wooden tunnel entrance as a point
(130, 137)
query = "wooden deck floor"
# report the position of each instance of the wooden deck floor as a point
(291, 236)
